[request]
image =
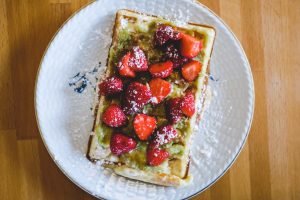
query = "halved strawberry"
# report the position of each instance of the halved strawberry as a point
(161, 70)
(144, 125)
(190, 46)
(173, 110)
(120, 143)
(191, 70)
(110, 86)
(164, 135)
(114, 116)
(124, 68)
(187, 104)
(156, 156)
(160, 89)
(138, 61)
(136, 96)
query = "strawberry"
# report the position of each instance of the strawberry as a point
(120, 143)
(123, 66)
(113, 116)
(164, 33)
(164, 135)
(110, 86)
(136, 96)
(187, 104)
(156, 156)
(173, 110)
(172, 53)
(161, 70)
(144, 125)
(190, 46)
(138, 61)
(191, 70)
(160, 89)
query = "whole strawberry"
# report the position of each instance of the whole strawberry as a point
(111, 86)
(156, 156)
(164, 135)
(172, 53)
(173, 110)
(137, 96)
(120, 143)
(138, 61)
(114, 116)
(187, 104)
(124, 68)
(164, 33)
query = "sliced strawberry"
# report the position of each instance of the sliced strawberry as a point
(160, 89)
(191, 70)
(190, 46)
(110, 86)
(138, 61)
(120, 143)
(144, 125)
(188, 104)
(156, 156)
(173, 110)
(164, 135)
(113, 116)
(124, 68)
(161, 70)
(136, 96)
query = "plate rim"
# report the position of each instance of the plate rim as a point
(253, 101)
(87, 190)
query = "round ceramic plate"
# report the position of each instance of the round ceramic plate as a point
(65, 119)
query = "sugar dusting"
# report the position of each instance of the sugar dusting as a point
(105, 37)
(90, 64)
(203, 127)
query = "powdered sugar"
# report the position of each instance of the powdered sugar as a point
(124, 23)
(138, 60)
(165, 134)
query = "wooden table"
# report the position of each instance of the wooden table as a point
(268, 166)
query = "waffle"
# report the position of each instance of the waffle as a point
(133, 28)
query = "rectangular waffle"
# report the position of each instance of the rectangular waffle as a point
(133, 28)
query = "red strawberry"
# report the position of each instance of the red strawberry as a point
(113, 116)
(110, 86)
(188, 104)
(164, 135)
(164, 33)
(161, 70)
(120, 144)
(172, 53)
(144, 125)
(190, 46)
(173, 110)
(160, 89)
(136, 96)
(156, 156)
(138, 61)
(191, 70)
(123, 66)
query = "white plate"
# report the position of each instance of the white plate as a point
(65, 119)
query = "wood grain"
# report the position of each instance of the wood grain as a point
(269, 164)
